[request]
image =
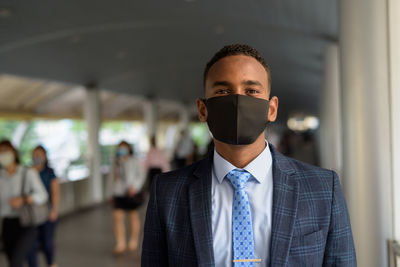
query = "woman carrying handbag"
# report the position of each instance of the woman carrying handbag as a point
(17, 239)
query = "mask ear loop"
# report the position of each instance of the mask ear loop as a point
(269, 100)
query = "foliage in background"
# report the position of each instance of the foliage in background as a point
(115, 126)
(7, 129)
(79, 127)
(28, 142)
(200, 134)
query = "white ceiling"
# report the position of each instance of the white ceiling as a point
(26, 98)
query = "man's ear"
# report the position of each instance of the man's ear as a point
(273, 109)
(201, 110)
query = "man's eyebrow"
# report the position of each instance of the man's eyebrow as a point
(219, 83)
(251, 82)
(226, 83)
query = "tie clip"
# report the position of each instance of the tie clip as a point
(248, 260)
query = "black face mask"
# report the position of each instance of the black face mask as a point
(237, 119)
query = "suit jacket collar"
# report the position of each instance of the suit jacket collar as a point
(284, 209)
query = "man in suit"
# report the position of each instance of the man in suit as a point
(245, 204)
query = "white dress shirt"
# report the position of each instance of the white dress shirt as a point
(10, 186)
(259, 189)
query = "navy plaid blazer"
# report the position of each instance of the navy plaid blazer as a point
(310, 222)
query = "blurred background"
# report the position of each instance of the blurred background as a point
(78, 77)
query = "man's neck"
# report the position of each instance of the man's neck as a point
(240, 155)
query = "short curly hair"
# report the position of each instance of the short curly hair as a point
(234, 50)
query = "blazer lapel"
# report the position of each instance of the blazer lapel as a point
(284, 209)
(200, 212)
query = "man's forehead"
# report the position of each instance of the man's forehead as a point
(236, 59)
(239, 64)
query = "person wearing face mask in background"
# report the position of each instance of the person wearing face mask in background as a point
(155, 162)
(46, 231)
(245, 204)
(17, 240)
(127, 179)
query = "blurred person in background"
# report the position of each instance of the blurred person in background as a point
(287, 144)
(45, 233)
(184, 150)
(127, 179)
(156, 162)
(306, 149)
(17, 240)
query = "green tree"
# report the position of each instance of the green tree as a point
(7, 129)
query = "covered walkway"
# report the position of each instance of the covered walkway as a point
(80, 65)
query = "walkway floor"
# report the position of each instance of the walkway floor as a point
(85, 239)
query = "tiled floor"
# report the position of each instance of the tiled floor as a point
(85, 239)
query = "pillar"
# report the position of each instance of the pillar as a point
(150, 114)
(93, 155)
(394, 65)
(365, 91)
(330, 145)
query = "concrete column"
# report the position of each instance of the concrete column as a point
(367, 161)
(330, 144)
(394, 64)
(150, 114)
(92, 116)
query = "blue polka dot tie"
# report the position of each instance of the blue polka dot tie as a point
(242, 230)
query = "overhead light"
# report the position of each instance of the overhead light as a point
(311, 122)
(5, 12)
(301, 123)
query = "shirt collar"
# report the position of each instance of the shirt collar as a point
(258, 167)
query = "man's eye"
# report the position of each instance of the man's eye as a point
(252, 91)
(222, 91)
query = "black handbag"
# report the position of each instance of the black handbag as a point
(32, 214)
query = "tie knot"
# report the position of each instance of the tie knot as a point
(238, 178)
